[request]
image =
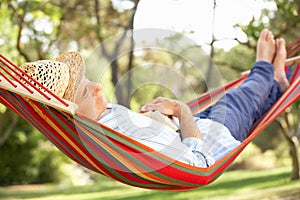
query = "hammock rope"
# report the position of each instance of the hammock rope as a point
(108, 152)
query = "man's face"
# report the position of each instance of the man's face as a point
(89, 99)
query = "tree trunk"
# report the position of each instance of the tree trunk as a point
(115, 78)
(293, 142)
(209, 74)
(6, 131)
(122, 92)
(209, 79)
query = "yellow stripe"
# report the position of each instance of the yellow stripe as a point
(134, 169)
(53, 125)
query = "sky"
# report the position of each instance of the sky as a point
(195, 18)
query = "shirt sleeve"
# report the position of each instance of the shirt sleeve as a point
(195, 145)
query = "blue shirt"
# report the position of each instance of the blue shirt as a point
(217, 140)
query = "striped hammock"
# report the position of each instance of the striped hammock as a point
(103, 150)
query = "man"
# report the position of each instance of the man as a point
(203, 138)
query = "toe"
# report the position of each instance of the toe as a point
(280, 47)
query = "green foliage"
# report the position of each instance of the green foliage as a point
(284, 22)
(23, 160)
(8, 35)
(48, 162)
(231, 64)
(2, 109)
(15, 155)
(253, 158)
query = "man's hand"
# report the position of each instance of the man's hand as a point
(177, 109)
(165, 106)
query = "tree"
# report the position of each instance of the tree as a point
(24, 39)
(30, 33)
(289, 123)
(8, 121)
(122, 92)
(284, 22)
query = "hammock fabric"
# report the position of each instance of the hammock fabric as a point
(103, 150)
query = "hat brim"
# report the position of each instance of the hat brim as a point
(76, 64)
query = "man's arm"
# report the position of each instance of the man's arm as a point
(177, 109)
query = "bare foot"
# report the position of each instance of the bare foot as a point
(279, 62)
(265, 50)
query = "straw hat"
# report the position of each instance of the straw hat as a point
(51, 74)
(77, 70)
(62, 76)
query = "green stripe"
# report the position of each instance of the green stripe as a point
(133, 159)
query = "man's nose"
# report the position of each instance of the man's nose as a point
(96, 87)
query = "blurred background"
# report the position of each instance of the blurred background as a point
(223, 34)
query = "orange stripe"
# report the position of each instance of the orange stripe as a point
(58, 130)
(128, 163)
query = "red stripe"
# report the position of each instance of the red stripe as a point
(35, 119)
(296, 73)
(147, 160)
(9, 105)
(141, 157)
(7, 79)
(44, 127)
(69, 136)
(227, 86)
(11, 67)
(112, 165)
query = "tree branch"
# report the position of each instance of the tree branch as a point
(10, 128)
(20, 20)
(293, 150)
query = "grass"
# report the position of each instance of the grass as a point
(234, 185)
